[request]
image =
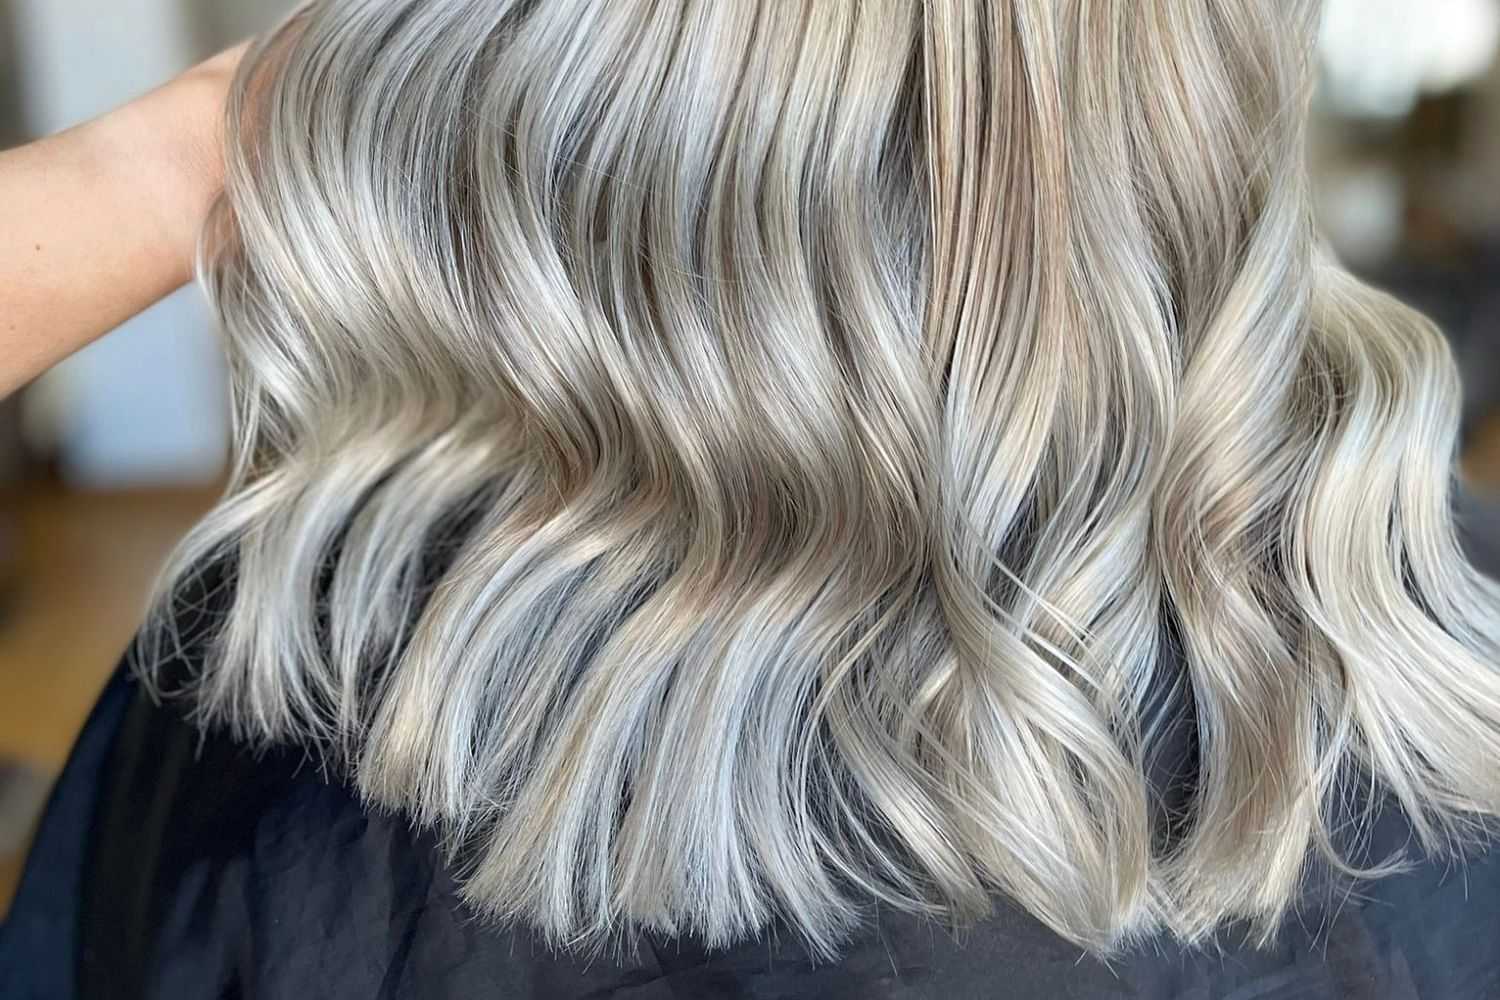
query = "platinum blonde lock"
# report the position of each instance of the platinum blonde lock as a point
(725, 461)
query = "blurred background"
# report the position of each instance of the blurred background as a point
(107, 460)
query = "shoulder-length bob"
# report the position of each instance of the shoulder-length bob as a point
(725, 461)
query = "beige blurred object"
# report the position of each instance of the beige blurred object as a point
(88, 561)
(1482, 462)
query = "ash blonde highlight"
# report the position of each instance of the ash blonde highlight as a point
(725, 462)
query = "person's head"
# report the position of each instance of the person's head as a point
(724, 461)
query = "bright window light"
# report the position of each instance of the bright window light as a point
(1379, 56)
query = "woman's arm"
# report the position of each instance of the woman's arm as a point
(100, 221)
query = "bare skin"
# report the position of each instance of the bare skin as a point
(100, 221)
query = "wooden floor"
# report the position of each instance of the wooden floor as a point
(87, 562)
(86, 568)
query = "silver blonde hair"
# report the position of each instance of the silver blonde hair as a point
(732, 461)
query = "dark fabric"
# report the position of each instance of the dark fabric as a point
(39, 940)
(173, 863)
(180, 866)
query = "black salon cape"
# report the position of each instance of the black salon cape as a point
(176, 865)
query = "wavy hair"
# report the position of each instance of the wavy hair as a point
(732, 462)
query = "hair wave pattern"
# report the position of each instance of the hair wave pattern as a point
(724, 462)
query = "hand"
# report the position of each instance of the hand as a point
(172, 142)
(100, 221)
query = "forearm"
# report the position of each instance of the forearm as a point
(99, 222)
